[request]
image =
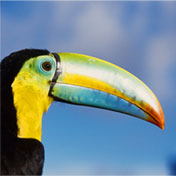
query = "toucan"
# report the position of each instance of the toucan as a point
(31, 79)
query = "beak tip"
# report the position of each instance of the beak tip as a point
(160, 117)
(157, 118)
(160, 121)
(161, 124)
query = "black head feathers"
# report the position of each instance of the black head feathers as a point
(11, 64)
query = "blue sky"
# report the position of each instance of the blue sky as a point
(138, 36)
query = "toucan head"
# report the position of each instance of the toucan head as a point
(81, 80)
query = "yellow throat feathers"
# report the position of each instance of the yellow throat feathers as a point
(31, 100)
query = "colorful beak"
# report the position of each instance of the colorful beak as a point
(86, 80)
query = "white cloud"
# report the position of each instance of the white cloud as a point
(160, 59)
(95, 30)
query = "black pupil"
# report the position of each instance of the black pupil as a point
(46, 66)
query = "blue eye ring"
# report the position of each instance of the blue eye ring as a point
(45, 65)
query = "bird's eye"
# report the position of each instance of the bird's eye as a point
(46, 66)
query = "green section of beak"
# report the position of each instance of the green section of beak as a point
(90, 81)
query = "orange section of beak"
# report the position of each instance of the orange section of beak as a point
(155, 117)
